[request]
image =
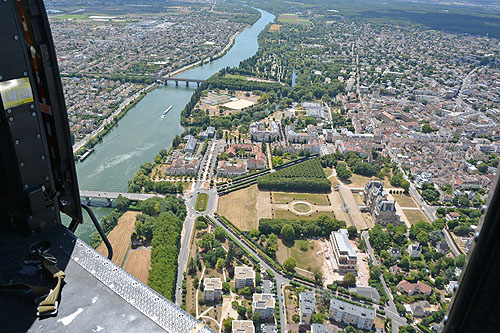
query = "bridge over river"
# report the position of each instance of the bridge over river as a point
(178, 79)
(88, 196)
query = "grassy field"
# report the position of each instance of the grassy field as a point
(119, 237)
(285, 214)
(293, 18)
(201, 202)
(232, 76)
(302, 207)
(304, 251)
(282, 197)
(404, 200)
(139, 263)
(240, 208)
(415, 216)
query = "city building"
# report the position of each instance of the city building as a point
(212, 289)
(230, 170)
(244, 276)
(382, 209)
(242, 326)
(190, 146)
(182, 166)
(344, 255)
(208, 133)
(307, 306)
(263, 304)
(319, 328)
(351, 314)
(263, 132)
(316, 110)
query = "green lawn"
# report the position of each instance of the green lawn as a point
(282, 197)
(293, 18)
(285, 214)
(232, 76)
(302, 207)
(415, 216)
(304, 251)
(404, 200)
(201, 202)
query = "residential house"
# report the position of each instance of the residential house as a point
(414, 288)
(244, 276)
(351, 314)
(230, 170)
(182, 166)
(261, 132)
(307, 305)
(419, 309)
(415, 250)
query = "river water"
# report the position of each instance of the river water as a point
(142, 133)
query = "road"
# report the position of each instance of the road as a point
(454, 249)
(391, 310)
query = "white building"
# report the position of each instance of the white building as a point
(307, 305)
(244, 276)
(263, 304)
(242, 326)
(351, 314)
(212, 289)
(343, 253)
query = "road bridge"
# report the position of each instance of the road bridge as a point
(87, 196)
(178, 79)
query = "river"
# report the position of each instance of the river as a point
(142, 133)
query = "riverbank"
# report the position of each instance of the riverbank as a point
(81, 146)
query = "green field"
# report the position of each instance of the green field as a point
(304, 251)
(201, 202)
(239, 77)
(301, 207)
(293, 18)
(282, 198)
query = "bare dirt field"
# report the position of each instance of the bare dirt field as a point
(415, 216)
(139, 263)
(240, 208)
(119, 237)
(275, 27)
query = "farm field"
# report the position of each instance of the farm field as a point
(275, 27)
(119, 238)
(318, 199)
(240, 208)
(139, 263)
(415, 216)
(404, 200)
(304, 251)
(285, 214)
(201, 202)
(293, 18)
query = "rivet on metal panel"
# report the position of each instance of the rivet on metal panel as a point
(9, 111)
(21, 164)
(16, 37)
(42, 157)
(32, 106)
(33, 114)
(25, 73)
(16, 142)
(11, 119)
(38, 136)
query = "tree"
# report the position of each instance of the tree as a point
(241, 310)
(226, 287)
(200, 223)
(349, 280)
(460, 261)
(317, 318)
(220, 233)
(191, 267)
(342, 172)
(122, 203)
(256, 318)
(220, 263)
(289, 264)
(439, 282)
(207, 242)
(287, 232)
(353, 232)
(423, 237)
(405, 185)
(246, 291)
(318, 275)
(230, 255)
(272, 244)
(228, 324)
(176, 141)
